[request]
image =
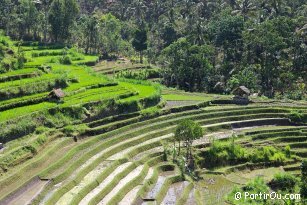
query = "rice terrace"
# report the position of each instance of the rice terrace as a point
(153, 102)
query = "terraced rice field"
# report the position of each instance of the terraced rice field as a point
(111, 67)
(103, 168)
(119, 159)
(25, 90)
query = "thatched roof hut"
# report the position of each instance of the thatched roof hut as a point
(241, 91)
(56, 94)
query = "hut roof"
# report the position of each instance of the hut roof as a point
(57, 92)
(241, 90)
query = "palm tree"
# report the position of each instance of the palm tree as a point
(45, 7)
(245, 8)
(138, 10)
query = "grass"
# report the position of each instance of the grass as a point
(116, 66)
(86, 81)
(242, 177)
(214, 193)
(185, 194)
(22, 111)
(18, 72)
(177, 97)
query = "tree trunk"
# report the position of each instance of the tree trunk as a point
(45, 26)
(141, 56)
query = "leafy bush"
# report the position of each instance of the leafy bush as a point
(297, 116)
(142, 74)
(283, 182)
(254, 186)
(150, 112)
(223, 153)
(75, 130)
(229, 153)
(268, 154)
(65, 60)
(75, 55)
(41, 129)
(287, 151)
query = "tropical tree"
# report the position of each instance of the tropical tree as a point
(264, 45)
(45, 6)
(62, 15)
(110, 33)
(187, 66)
(90, 38)
(226, 34)
(28, 17)
(140, 42)
(187, 131)
(55, 19)
(137, 11)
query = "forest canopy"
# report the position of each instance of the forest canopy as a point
(211, 46)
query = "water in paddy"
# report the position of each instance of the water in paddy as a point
(161, 179)
(174, 193)
(191, 198)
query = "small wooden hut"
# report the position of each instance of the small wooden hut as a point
(241, 95)
(56, 95)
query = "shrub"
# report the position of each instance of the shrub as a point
(297, 116)
(283, 182)
(223, 153)
(74, 130)
(287, 151)
(65, 60)
(254, 186)
(150, 112)
(41, 129)
(229, 153)
(69, 130)
(278, 158)
(268, 154)
(15, 129)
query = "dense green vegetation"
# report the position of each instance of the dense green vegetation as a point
(130, 101)
(201, 45)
